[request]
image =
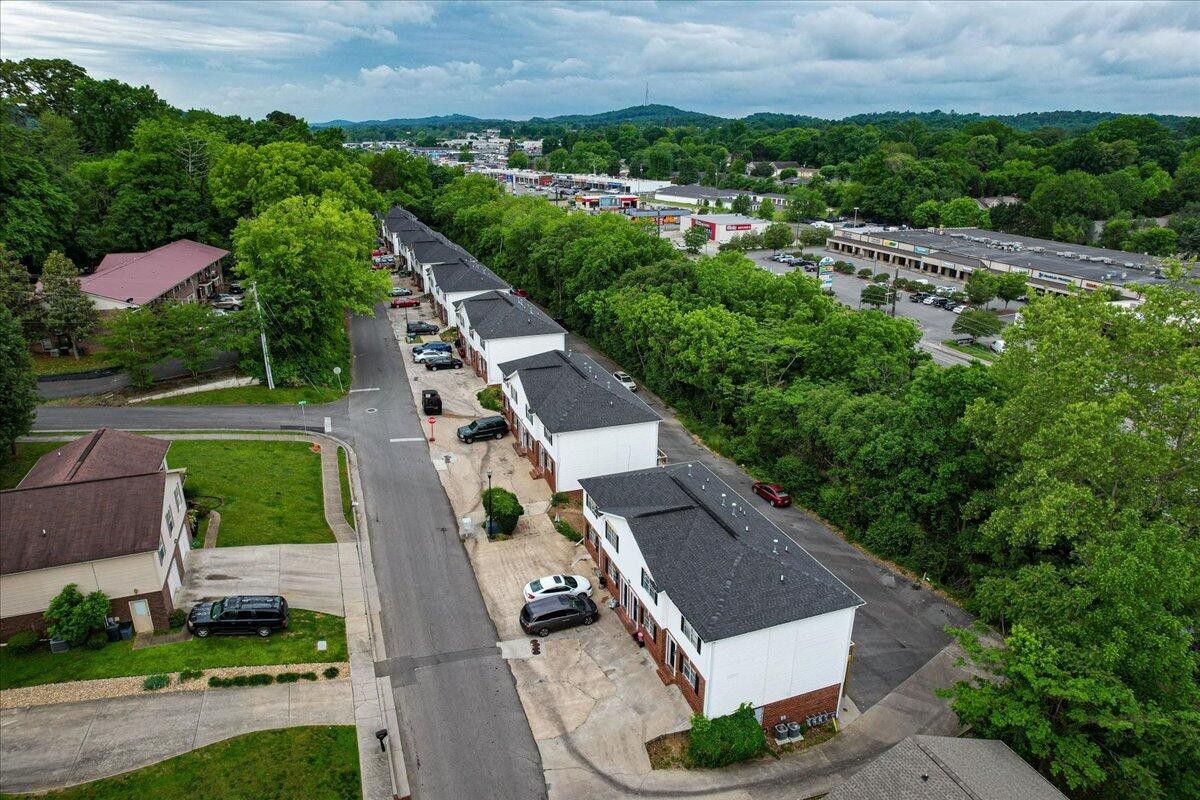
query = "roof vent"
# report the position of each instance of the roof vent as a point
(735, 509)
(781, 578)
(722, 499)
(774, 545)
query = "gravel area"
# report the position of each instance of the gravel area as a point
(76, 691)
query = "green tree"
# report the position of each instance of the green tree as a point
(16, 294)
(18, 387)
(778, 235)
(106, 112)
(981, 287)
(68, 310)
(1011, 285)
(977, 324)
(766, 209)
(1186, 224)
(1187, 179)
(961, 212)
(37, 85)
(310, 260)
(135, 341)
(695, 237)
(875, 294)
(927, 214)
(518, 159)
(35, 208)
(805, 204)
(1073, 193)
(193, 333)
(503, 508)
(1154, 241)
(72, 616)
(740, 204)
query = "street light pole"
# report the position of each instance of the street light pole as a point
(303, 415)
(856, 216)
(487, 525)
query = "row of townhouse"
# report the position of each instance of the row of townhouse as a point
(731, 609)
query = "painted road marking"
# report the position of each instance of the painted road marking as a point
(372, 389)
(409, 439)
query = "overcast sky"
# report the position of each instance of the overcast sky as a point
(375, 60)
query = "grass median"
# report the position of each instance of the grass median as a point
(296, 645)
(314, 762)
(252, 396)
(270, 492)
(13, 467)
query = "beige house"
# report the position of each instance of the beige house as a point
(104, 512)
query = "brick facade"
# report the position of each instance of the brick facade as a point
(160, 611)
(801, 707)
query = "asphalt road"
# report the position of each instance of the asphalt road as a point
(171, 368)
(463, 729)
(900, 627)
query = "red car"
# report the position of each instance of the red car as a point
(773, 493)
(405, 302)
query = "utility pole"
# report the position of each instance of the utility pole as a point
(895, 277)
(262, 335)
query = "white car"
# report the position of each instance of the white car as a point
(625, 380)
(572, 585)
(429, 355)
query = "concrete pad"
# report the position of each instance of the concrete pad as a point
(41, 743)
(560, 687)
(308, 575)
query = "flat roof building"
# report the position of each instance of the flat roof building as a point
(723, 227)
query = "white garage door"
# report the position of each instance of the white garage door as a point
(173, 581)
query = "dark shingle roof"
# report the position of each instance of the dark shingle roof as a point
(729, 582)
(503, 315)
(435, 250)
(104, 453)
(571, 392)
(942, 768)
(465, 276)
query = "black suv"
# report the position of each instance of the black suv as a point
(486, 428)
(259, 614)
(422, 328)
(556, 612)
(431, 401)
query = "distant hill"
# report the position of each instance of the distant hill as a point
(666, 116)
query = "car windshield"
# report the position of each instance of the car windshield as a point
(570, 581)
(473, 425)
(536, 586)
(217, 607)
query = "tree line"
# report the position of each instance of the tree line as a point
(1054, 492)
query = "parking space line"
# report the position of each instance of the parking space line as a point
(409, 439)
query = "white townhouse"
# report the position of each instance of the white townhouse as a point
(731, 609)
(498, 326)
(573, 420)
(455, 281)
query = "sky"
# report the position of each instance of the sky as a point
(513, 60)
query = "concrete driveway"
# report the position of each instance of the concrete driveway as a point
(52, 746)
(308, 575)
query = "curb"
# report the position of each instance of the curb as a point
(85, 375)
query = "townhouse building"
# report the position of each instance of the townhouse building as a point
(497, 326)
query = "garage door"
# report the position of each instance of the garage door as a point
(173, 580)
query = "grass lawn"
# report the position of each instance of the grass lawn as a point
(252, 396)
(296, 645)
(271, 491)
(982, 353)
(316, 763)
(14, 467)
(45, 365)
(344, 477)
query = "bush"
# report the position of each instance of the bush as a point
(72, 616)
(177, 619)
(287, 677)
(331, 672)
(308, 676)
(725, 740)
(449, 335)
(156, 682)
(502, 506)
(865, 272)
(843, 267)
(190, 675)
(257, 679)
(23, 642)
(564, 527)
(881, 277)
(490, 398)
(560, 499)
(96, 640)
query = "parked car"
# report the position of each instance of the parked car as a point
(809, 266)
(444, 347)
(227, 302)
(917, 297)
(958, 309)
(422, 328)
(551, 585)
(931, 300)
(626, 381)
(443, 361)
(484, 428)
(431, 401)
(258, 614)
(773, 493)
(425, 356)
(557, 612)
(401, 291)
(405, 302)
(997, 346)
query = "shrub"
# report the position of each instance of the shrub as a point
(449, 335)
(490, 398)
(843, 267)
(190, 675)
(72, 616)
(503, 507)
(564, 527)
(725, 740)
(177, 619)
(308, 676)
(287, 677)
(881, 277)
(865, 272)
(156, 682)
(96, 640)
(331, 672)
(257, 679)
(560, 499)
(23, 642)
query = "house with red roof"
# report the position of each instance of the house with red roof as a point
(183, 271)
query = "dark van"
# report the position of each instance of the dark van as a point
(556, 612)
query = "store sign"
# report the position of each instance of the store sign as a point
(739, 227)
(1090, 285)
(1054, 278)
(873, 240)
(919, 249)
(891, 244)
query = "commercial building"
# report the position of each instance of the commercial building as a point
(695, 195)
(573, 420)
(1049, 266)
(498, 326)
(104, 512)
(184, 271)
(723, 227)
(730, 609)
(569, 182)
(606, 202)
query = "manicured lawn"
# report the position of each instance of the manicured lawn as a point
(344, 477)
(252, 396)
(271, 491)
(982, 353)
(14, 467)
(315, 763)
(45, 365)
(296, 645)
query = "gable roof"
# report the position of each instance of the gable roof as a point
(943, 768)
(142, 277)
(432, 249)
(503, 315)
(571, 392)
(104, 453)
(465, 275)
(729, 583)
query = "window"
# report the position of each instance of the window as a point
(179, 495)
(689, 673)
(591, 505)
(649, 585)
(162, 551)
(529, 413)
(549, 437)
(651, 627)
(170, 521)
(610, 534)
(690, 634)
(614, 576)
(593, 537)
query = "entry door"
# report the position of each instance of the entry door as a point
(139, 612)
(173, 580)
(670, 654)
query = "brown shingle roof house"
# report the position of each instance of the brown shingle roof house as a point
(104, 512)
(183, 270)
